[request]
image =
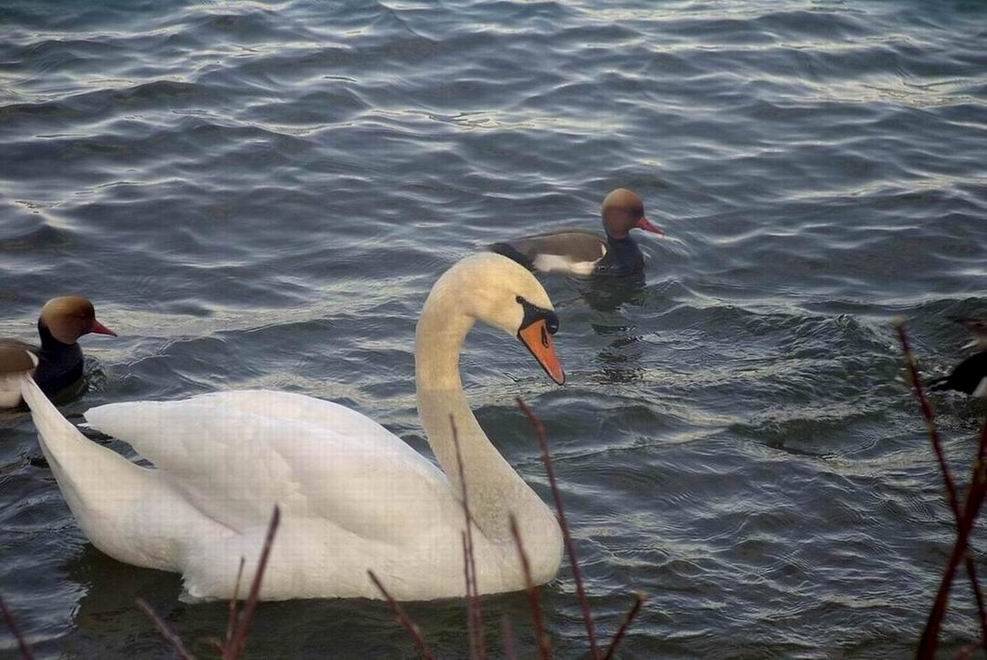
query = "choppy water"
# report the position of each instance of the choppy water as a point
(260, 195)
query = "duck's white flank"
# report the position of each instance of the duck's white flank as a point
(558, 263)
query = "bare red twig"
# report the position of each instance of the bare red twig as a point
(971, 571)
(570, 546)
(930, 420)
(470, 616)
(165, 630)
(403, 618)
(238, 624)
(231, 622)
(534, 599)
(238, 642)
(474, 612)
(631, 615)
(21, 642)
(974, 500)
(930, 635)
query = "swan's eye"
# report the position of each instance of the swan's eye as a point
(552, 321)
(534, 313)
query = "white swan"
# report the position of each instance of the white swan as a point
(353, 496)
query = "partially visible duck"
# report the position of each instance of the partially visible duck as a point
(970, 375)
(977, 328)
(58, 362)
(579, 252)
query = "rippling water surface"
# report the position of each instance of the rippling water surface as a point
(260, 195)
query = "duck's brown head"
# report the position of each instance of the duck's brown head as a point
(69, 317)
(623, 211)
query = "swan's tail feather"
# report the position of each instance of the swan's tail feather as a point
(55, 433)
(91, 477)
(71, 455)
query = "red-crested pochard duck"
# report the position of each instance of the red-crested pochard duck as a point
(58, 362)
(977, 328)
(580, 252)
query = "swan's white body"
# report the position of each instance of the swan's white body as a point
(353, 496)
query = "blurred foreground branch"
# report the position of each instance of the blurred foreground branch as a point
(964, 515)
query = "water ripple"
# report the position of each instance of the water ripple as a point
(260, 194)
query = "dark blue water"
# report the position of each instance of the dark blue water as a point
(260, 195)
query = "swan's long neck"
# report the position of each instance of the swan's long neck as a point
(494, 488)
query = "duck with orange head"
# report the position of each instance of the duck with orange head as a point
(58, 362)
(580, 252)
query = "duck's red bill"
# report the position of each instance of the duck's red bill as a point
(647, 225)
(538, 340)
(101, 329)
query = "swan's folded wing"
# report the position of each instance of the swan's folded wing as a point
(235, 454)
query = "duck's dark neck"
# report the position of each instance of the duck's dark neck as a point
(59, 364)
(622, 239)
(622, 258)
(48, 341)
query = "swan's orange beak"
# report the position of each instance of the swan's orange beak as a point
(539, 341)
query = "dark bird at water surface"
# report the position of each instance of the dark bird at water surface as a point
(970, 375)
(581, 252)
(58, 363)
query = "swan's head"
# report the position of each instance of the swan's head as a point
(69, 317)
(623, 211)
(499, 292)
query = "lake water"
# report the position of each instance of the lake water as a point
(261, 194)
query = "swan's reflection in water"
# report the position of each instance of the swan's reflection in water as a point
(353, 628)
(107, 609)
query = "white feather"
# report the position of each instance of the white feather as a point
(981, 391)
(557, 263)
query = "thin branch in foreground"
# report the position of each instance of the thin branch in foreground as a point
(631, 615)
(930, 420)
(21, 642)
(165, 630)
(470, 617)
(231, 622)
(474, 613)
(534, 599)
(570, 546)
(403, 618)
(238, 643)
(971, 571)
(928, 414)
(975, 497)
